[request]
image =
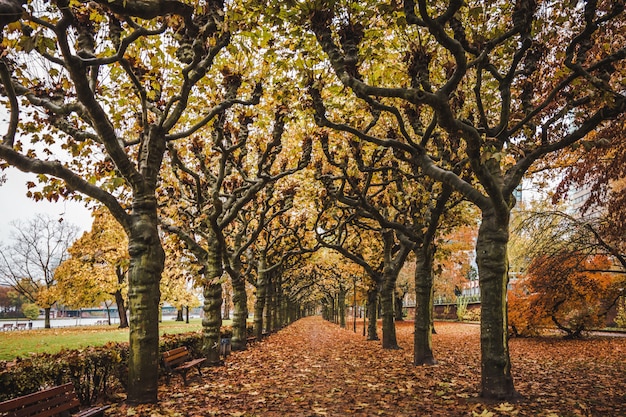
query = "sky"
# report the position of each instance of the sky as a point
(14, 205)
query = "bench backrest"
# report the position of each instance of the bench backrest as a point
(173, 357)
(47, 403)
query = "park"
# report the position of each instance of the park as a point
(285, 169)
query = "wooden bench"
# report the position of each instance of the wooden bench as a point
(7, 326)
(55, 401)
(21, 326)
(180, 361)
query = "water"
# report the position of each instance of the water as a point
(61, 322)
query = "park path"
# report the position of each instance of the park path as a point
(315, 368)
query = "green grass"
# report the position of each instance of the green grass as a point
(24, 342)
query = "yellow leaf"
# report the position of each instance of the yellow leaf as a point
(485, 413)
(505, 407)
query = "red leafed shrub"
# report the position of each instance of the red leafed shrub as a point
(563, 290)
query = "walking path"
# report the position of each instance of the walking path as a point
(314, 368)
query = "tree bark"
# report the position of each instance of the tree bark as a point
(388, 313)
(240, 314)
(398, 306)
(212, 321)
(228, 298)
(259, 304)
(119, 300)
(372, 308)
(491, 257)
(46, 316)
(341, 310)
(423, 349)
(146, 264)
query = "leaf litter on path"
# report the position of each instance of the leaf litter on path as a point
(316, 368)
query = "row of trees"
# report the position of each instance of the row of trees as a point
(255, 133)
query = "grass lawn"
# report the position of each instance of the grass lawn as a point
(24, 342)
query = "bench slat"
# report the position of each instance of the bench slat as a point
(47, 403)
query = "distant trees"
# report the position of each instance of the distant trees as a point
(28, 264)
(97, 267)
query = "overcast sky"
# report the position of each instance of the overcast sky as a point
(14, 205)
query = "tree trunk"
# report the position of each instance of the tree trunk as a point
(46, 315)
(341, 307)
(276, 303)
(226, 304)
(398, 306)
(119, 298)
(372, 308)
(212, 321)
(240, 304)
(267, 309)
(259, 304)
(423, 350)
(146, 265)
(491, 257)
(121, 309)
(179, 314)
(386, 299)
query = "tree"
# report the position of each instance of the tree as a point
(115, 82)
(475, 75)
(575, 271)
(211, 185)
(28, 265)
(97, 267)
(564, 292)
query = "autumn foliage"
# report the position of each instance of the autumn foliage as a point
(565, 291)
(315, 368)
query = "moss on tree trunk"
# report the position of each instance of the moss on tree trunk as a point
(146, 264)
(240, 304)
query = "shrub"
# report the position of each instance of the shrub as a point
(31, 311)
(93, 371)
(472, 315)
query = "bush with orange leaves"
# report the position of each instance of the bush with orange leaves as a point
(566, 291)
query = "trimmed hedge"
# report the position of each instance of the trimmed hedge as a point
(94, 371)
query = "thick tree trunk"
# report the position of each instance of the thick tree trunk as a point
(398, 306)
(212, 321)
(341, 310)
(46, 317)
(240, 314)
(423, 350)
(146, 265)
(179, 314)
(491, 257)
(372, 309)
(387, 294)
(259, 304)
